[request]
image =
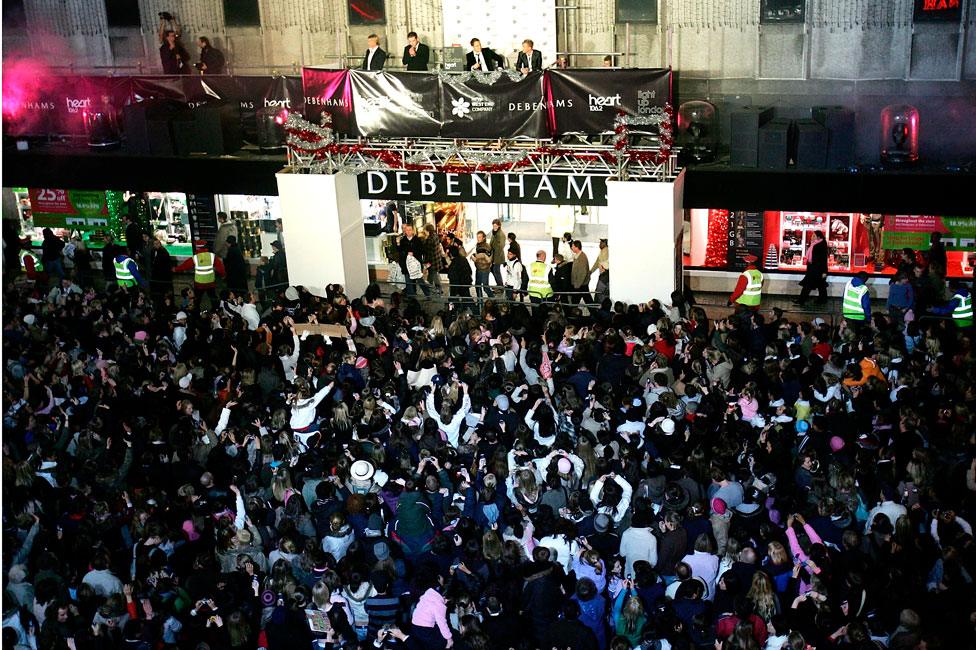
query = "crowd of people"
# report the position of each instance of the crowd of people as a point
(344, 471)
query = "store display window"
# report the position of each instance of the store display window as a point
(256, 218)
(719, 239)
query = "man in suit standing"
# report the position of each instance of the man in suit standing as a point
(416, 55)
(375, 56)
(529, 60)
(482, 58)
(816, 275)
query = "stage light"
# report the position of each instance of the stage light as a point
(697, 130)
(281, 117)
(899, 134)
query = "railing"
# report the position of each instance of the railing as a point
(499, 295)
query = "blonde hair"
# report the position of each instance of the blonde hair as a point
(491, 546)
(281, 484)
(527, 484)
(762, 595)
(777, 553)
(632, 614)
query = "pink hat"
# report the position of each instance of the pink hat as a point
(140, 335)
(564, 466)
(836, 444)
(361, 363)
(719, 506)
(191, 533)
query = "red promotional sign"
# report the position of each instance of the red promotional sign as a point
(329, 91)
(50, 201)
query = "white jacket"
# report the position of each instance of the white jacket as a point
(415, 270)
(513, 274)
(303, 411)
(638, 544)
(617, 514)
(451, 429)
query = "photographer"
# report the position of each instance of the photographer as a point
(173, 56)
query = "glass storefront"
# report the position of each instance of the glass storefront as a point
(719, 239)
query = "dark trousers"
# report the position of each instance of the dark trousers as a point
(555, 246)
(808, 285)
(496, 272)
(211, 292)
(481, 279)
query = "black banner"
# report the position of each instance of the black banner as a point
(484, 188)
(587, 101)
(745, 238)
(396, 104)
(479, 110)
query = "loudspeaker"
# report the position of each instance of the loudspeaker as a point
(637, 11)
(198, 131)
(745, 124)
(774, 144)
(147, 128)
(839, 122)
(811, 145)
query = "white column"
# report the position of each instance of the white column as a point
(644, 222)
(323, 230)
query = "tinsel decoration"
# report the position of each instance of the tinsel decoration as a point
(717, 248)
(662, 118)
(486, 78)
(305, 140)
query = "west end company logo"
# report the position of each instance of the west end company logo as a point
(598, 103)
(379, 103)
(77, 104)
(460, 107)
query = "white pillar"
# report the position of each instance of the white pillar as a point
(644, 223)
(325, 242)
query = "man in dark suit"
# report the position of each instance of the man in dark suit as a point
(529, 60)
(816, 275)
(375, 56)
(483, 59)
(416, 55)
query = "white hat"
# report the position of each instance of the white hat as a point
(651, 329)
(667, 426)
(361, 470)
(181, 315)
(777, 403)
(291, 293)
(502, 402)
(818, 322)
(185, 380)
(30, 319)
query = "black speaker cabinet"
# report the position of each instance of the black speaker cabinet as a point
(147, 127)
(774, 144)
(811, 145)
(198, 132)
(745, 125)
(839, 122)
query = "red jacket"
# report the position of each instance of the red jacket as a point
(740, 286)
(187, 265)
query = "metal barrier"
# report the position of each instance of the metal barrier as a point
(495, 289)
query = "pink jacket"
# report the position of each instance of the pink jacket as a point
(798, 554)
(431, 610)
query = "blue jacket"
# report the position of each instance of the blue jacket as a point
(901, 296)
(950, 306)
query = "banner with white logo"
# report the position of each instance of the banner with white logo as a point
(480, 110)
(393, 104)
(587, 101)
(329, 91)
(483, 187)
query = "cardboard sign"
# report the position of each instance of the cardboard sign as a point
(332, 331)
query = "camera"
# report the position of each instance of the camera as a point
(165, 15)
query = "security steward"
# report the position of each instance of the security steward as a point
(748, 290)
(206, 267)
(539, 288)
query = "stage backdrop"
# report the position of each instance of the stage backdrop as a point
(502, 27)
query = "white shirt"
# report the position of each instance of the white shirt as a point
(369, 56)
(528, 60)
(480, 60)
(638, 544)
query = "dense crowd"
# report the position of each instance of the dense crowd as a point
(521, 477)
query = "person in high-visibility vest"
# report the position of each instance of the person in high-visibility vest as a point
(539, 287)
(206, 267)
(127, 272)
(856, 305)
(748, 290)
(31, 265)
(960, 306)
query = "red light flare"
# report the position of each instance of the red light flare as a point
(22, 83)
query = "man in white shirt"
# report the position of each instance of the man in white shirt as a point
(375, 57)
(529, 59)
(246, 310)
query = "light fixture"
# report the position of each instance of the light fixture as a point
(697, 131)
(899, 135)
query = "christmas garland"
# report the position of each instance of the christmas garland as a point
(308, 140)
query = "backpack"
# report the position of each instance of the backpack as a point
(525, 278)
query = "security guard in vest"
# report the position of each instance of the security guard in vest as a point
(539, 287)
(748, 290)
(206, 267)
(127, 272)
(31, 265)
(959, 307)
(857, 302)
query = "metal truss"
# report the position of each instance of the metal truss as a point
(576, 154)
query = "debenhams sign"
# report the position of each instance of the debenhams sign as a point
(511, 187)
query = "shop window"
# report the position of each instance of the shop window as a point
(14, 17)
(367, 12)
(242, 13)
(122, 13)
